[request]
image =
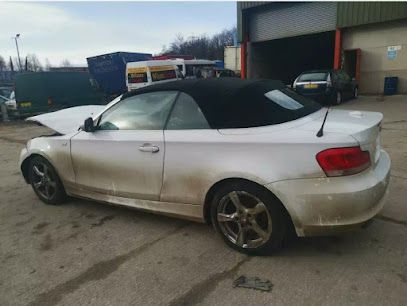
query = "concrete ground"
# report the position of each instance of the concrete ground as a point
(85, 253)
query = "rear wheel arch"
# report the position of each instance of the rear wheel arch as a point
(218, 185)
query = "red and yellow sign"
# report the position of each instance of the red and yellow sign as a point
(161, 68)
(137, 70)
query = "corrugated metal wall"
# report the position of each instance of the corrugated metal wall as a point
(358, 13)
(292, 19)
(242, 10)
(249, 4)
(348, 13)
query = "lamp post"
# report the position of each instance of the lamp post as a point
(18, 52)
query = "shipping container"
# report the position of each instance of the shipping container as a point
(219, 64)
(108, 70)
(41, 92)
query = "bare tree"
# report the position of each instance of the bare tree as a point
(33, 63)
(2, 63)
(177, 45)
(47, 65)
(66, 63)
(202, 46)
(163, 50)
(13, 64)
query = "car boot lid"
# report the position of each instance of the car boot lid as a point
(359, 124)
(364, 126)
(67, 120)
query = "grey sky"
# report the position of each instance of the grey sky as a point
(76, 30)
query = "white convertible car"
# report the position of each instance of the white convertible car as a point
(251, 157)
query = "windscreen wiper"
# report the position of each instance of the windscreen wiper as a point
(321, 130)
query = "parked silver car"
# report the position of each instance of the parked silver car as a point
(251, 157)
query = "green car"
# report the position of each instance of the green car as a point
(41, 92)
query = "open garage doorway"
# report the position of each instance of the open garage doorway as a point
(284, 59)
(351, 63)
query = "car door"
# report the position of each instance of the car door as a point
(189, 147)
(124, 155)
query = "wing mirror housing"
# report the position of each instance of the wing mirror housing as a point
(88, 125)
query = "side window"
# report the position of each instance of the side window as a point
(339, 76)
(343, 76)
(137, 75)
(346, 77)
(147, 111)
(186, 115)
(189, 70)
(162, 75)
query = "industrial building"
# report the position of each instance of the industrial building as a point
(367, 39)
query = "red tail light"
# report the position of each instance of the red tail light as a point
(343, 161)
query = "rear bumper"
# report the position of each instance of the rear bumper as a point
(324, 206)
(322, 97)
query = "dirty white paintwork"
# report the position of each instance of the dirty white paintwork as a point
(108, 166)
(129, 172)
(67, 120)
(320, 203)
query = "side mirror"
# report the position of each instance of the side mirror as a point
(88, 125)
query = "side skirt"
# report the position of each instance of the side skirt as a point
(191, 212)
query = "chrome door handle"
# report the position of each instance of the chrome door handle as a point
(149, 148)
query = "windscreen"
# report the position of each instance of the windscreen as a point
(314, 76)
(193, 69)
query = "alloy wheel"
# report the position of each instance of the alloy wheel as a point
(244, 219)
(44, 180)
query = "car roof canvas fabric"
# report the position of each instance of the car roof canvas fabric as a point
(235, 103)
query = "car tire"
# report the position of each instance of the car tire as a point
(338, 98)
(45, 181)
(355, 93)
(258, 227)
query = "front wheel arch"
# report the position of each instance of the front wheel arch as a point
(26, 164)
(48, 177)
(25, 167)
(212, 191)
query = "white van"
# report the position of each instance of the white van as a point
(141, 74)
(190, 68)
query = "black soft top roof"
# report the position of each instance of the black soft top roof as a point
(318, 71)
(220, 89)
(229, 102)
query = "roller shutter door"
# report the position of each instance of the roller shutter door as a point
(292, 19)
